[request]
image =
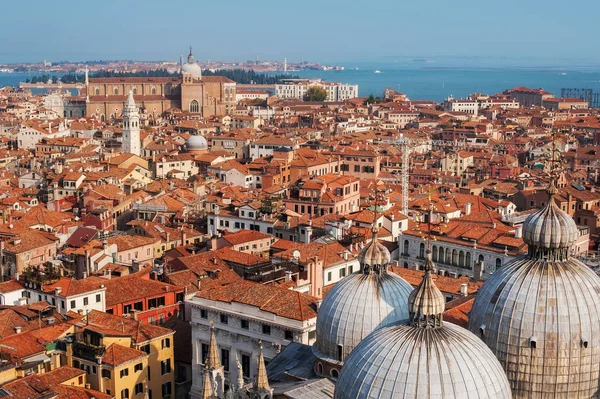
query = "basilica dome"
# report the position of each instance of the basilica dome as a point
(540, 314)
(357, 305)
(192, 67)
(196, 143)
(424, 358)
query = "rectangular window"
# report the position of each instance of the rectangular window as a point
(98, 298)
(225, 359)
(245, 324)
(166, 389)
(138, 367)
(124, 372)
(85, 301)
(342, 272)
(165, 366)
(138, 305)
(289, 335)
(328, 276)
(125, 393)
(246, 365)
(72, 304)
(204, 313)
(145, 348)
(106, 373)
(204, 348)
(224, 319)
(139, 388)
(266, 329)
(166, 343)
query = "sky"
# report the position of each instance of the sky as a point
(537, 31)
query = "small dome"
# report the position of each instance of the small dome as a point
(403, 361)
(196, 143)
(375, 254)
(193, 69)
(426, 302)
(355, 307)
(550, 227)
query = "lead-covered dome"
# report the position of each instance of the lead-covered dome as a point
(357, 305)
(550, 227)
(192, 67)
(540, 314)
(424, 359)
(196, 143)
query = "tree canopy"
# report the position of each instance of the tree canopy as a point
(315, 93)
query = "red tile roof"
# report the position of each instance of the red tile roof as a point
(279, 301)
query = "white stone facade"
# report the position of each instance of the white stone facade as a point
(335, 91)
(238, 329)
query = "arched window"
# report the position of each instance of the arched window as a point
(422, 250)
(405, 251)
(71, 113)
(153, 91)
(461, 259)
(434, 253)
(319, 368)
(134, 90)
(455, 257)
(468, 262)
(448, 256)
(441, 255)
(194, 106)
(97, 91)
(498, 263)
(480, 258)
(334, 373)
(102, 118)
(115, 91)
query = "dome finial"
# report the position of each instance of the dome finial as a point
(374, 257)
(427, 303)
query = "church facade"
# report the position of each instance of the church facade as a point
(190, 92)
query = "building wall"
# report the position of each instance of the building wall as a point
(239, 341)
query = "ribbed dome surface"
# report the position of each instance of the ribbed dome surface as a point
(541, 318)
(196, 143)
(550, 227)
(375, 253)
(355, 307)
(403, 361)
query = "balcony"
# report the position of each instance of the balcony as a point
(88, 352)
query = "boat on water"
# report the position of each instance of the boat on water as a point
(377, 71)
(563, 73)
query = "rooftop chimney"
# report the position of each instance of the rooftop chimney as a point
(468, 208)
(519, 231)
(18, 329)
(464, 289)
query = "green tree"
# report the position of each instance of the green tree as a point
(315, 93)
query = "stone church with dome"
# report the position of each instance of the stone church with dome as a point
(190, 92)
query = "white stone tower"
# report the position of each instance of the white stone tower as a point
(131, 127)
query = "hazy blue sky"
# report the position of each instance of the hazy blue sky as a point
(319, 30)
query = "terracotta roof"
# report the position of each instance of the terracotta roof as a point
(279, 301)
(132, 287)
(139, 332)
(457, 311)
(243, 236)
(116, 355)
(10, 286)
(70, 286)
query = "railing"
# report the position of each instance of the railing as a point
(86, 351)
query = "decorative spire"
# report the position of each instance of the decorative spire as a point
(130, 101)
(190, 56)
(213, 360)
(427, 303)
(206, 386)
(550, 232)
(374, 257)
(262, 382)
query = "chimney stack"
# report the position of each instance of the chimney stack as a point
(464, 289)
(468, 208)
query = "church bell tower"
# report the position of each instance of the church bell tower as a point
(131, 127)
